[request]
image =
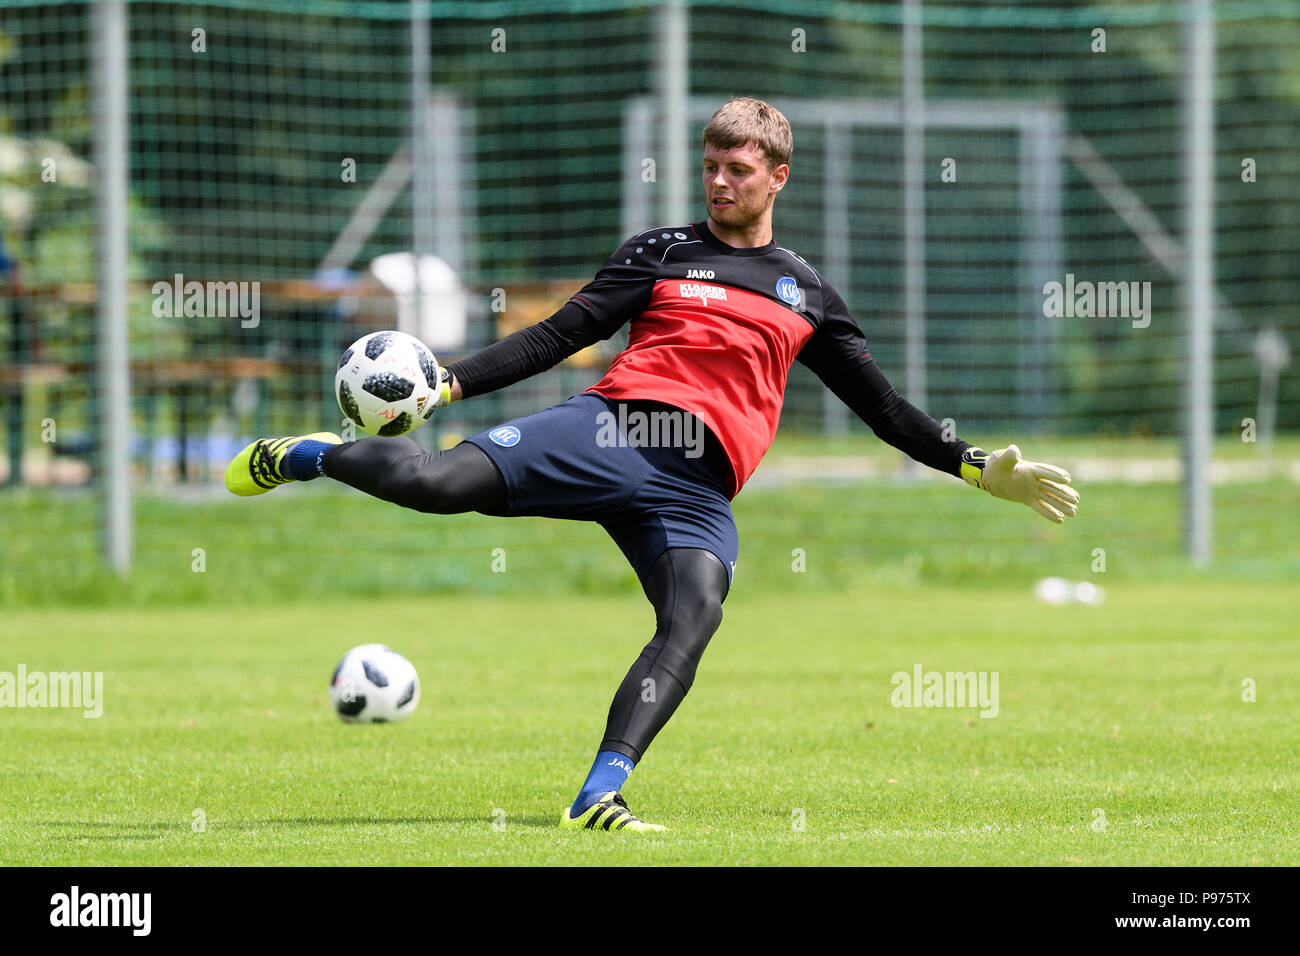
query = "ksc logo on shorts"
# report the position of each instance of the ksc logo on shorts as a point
(505, 436)
(788, 291)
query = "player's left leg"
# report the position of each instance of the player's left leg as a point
(686, 587)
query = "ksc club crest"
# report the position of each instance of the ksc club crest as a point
(505, 435)
(787, 290)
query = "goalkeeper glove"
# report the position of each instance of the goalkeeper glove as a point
(1004, 474)
(444, 388)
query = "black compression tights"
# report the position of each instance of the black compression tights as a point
(686, 586)
(435, 482)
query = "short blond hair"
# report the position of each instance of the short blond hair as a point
(743, 120)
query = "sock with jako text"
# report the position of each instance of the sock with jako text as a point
(303, 462)
(609, 772)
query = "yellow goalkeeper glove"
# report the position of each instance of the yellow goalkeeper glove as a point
(1004, 474)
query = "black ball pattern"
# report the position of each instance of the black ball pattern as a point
(398, 426)
(429, 367)
(348, 402)
(350, 708)
(378, 342)
(388, 386)
(407, 695)
(374, 674)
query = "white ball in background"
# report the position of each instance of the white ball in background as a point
(1085, 592)
(1053, 590)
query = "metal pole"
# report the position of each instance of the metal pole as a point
(1198, 279)
(673, 89)
(835, 260)
(444, 142)
(112, 326)
(422, 212)
(914, 204)
(1041, 257)
(639, 213)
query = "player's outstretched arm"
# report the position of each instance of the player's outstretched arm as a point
(838, 354)
(1004, 474)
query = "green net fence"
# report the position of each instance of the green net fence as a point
(270, 143)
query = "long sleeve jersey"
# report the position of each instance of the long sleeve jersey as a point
(714, 331)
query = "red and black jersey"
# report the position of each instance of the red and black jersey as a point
(714, 331)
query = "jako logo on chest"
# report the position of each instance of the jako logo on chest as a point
(699, 273)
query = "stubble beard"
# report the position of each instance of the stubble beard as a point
(739, 217)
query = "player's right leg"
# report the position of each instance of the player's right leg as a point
(460, 479)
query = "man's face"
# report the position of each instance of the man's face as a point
(738, 186)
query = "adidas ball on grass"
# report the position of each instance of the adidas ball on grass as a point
(387, 383)
(374, 684)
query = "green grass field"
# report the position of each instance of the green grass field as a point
(331, 543)
(215, 670)
(1133, 708)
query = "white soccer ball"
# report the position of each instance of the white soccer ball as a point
(1085, 592)
(374, 684)
(387, 383)
(1054, 591)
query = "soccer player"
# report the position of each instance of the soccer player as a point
(656, 450)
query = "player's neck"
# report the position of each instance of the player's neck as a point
(759, 234)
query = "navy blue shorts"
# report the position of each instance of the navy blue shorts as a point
(560, 463)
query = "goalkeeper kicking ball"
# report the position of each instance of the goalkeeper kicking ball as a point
(387, 383)
(374, 684)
